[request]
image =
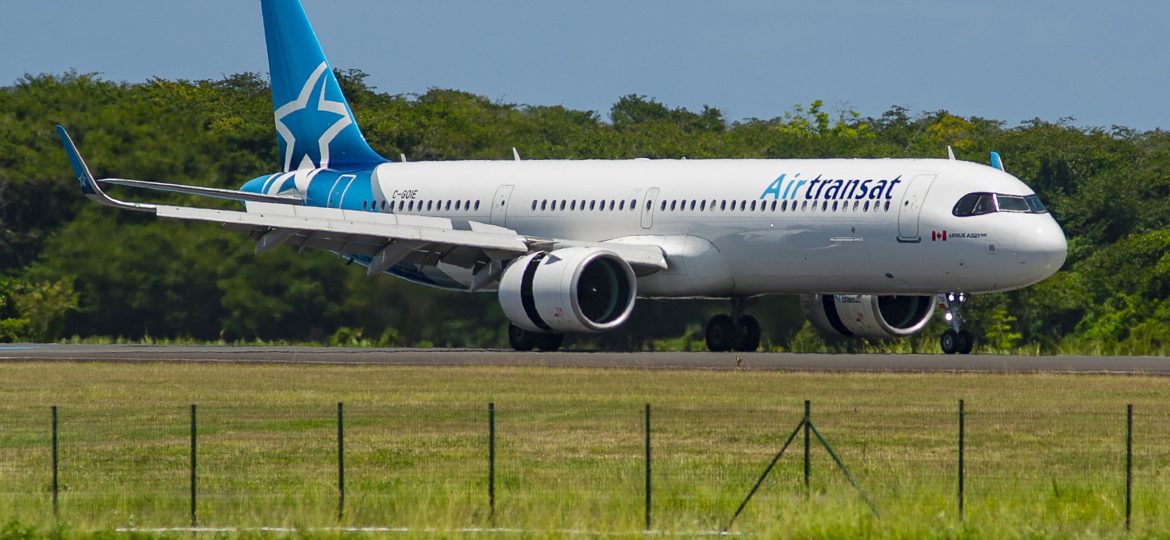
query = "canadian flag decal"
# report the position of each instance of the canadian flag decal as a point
(938, 235)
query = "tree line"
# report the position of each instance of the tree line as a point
(75, 270)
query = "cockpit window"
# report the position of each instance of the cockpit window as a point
(1035, 204)
(974, 204)
(1011, 203)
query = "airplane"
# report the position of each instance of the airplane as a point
(871, 246)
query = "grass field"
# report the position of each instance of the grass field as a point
(1045, 453)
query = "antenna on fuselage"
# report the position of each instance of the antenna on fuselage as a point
(950, 153)
(403, 156)
(515, 153)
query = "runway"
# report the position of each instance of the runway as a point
(891, 363)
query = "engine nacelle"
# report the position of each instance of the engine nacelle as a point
(868, 316)
(578, 289)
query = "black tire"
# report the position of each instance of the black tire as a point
(967, 342)
(550, 342)
(949, 341)
(749, 336)
(522, 340)
(721, 334)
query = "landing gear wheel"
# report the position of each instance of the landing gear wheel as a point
(721, 334)
(522, 340)
(949, 341)
(550, 342)
(749, 338)
(966, 342)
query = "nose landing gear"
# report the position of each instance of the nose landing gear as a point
(735, 332)
(955, 339)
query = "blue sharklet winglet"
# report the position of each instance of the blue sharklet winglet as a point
(89, 186)
(997, 161)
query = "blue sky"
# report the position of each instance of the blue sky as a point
(1101, 63)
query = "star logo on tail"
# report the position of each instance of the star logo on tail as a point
(311, 113)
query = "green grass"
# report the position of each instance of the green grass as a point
(1045, 452)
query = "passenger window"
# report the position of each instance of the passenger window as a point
(753, 205)
(723, 205)
(622, 205)
(887, 206)
(477, 205)
(449, 205)
(865, 207)
(773, 206)
(703, 205)
(633, 204)
(572, 205)
(663, 205)
(534, 205)
(673, 205)
(692, 206)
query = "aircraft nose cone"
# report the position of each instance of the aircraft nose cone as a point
(1044, 248)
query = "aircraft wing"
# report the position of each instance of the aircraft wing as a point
(384, 239)
(230, 194)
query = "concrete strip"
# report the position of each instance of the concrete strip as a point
(908, 363)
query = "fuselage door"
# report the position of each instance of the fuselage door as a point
(500, 205)
(648, 208)
(337, 192)
(911, 208)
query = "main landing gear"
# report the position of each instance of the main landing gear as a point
(735, 332)
(523, 340)
(955, 339)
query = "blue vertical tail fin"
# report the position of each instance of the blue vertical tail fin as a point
(314, 124)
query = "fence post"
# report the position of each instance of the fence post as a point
(194, 521)
(492, 462)
(55, 462)
(340, 461)
(807, 414)
(1128, 464)
(648, 466)
(962, 464)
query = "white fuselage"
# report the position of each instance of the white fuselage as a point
(747, 227)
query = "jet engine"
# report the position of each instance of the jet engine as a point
(868, 316)
(577, 289)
